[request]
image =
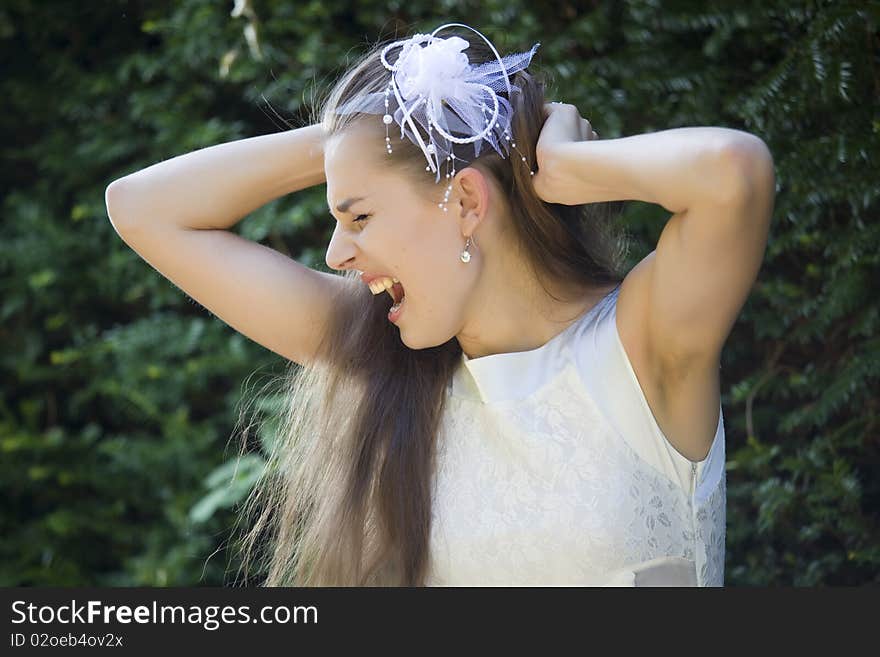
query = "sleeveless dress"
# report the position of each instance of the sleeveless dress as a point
(551, 470)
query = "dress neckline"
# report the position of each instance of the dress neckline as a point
(516, 374)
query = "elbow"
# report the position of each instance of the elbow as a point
(116, 198)
(748, 169)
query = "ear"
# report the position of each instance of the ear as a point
(474, 194)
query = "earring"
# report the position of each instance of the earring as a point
(466, 255)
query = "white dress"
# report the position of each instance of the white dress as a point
(553, 471)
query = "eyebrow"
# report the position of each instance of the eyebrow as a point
(347, 203)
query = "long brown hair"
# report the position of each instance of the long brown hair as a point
(345, 499)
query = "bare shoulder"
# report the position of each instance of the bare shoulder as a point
(684, 401)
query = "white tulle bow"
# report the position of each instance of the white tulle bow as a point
(453, 102)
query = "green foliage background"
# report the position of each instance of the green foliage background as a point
(119, 393)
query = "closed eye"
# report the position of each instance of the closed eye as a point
(361, 217)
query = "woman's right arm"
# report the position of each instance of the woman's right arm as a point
(175, 215)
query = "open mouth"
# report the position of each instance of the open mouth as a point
(397, 293)
(392, 286)
(399, 297)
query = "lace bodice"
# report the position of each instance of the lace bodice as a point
(552, 471)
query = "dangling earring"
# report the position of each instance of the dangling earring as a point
(466, 255)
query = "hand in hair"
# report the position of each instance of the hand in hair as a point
(563, 124)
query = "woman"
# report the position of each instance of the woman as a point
(516, 410)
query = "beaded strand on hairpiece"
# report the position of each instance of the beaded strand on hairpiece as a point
(451, 65)
(387, 119)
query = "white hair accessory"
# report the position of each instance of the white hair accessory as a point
(437, 87)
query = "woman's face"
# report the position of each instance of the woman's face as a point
(404, 235)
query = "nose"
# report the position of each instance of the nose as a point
(340, 252)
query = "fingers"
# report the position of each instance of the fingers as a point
(587, 132)
(590, 133)
(553, 104)
(586, 128)
(549, 107)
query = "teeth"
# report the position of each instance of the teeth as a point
(381, 284)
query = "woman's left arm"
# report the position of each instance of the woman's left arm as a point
(677, 169)
(719, 184)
